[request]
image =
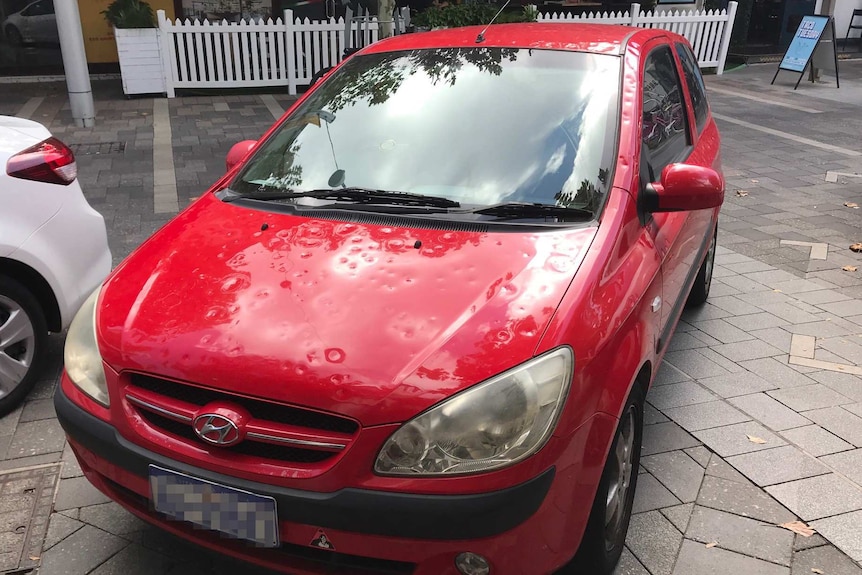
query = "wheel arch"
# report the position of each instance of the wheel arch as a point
(644, 378)
(38, 286)
(11, 27)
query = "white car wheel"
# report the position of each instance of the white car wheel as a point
(23, 336)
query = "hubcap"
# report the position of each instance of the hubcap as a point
(17, 345)
(620, 480)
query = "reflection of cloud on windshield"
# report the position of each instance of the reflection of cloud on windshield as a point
(555, 161)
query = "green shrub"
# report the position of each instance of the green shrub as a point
(130, 14)
(457, 15)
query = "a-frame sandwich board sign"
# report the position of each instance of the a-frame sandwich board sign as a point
(814, 45)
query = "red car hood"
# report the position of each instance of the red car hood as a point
(354, 318)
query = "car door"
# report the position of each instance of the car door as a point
(667, 137)
(42, 24)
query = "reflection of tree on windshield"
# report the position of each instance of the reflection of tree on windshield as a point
(445, 64)
(588, 196)
(288, 174)
(378, 81)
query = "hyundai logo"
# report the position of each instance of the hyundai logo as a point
(216, 429)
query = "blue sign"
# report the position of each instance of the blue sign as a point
(804, 42)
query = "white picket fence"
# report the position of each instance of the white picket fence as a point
(287, 52)
(284, 52)
(708, 31)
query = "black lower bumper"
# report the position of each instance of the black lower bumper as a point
(442, 517)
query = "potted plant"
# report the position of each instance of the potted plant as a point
(138, 46)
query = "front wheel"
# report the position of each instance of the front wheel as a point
(14, 36)
(608, 524)
(23, 341)
(700, 290)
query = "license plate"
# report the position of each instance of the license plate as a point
(230, 511)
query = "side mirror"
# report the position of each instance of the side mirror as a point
(237, 152)
(684, 187)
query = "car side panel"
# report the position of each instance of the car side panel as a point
(612, 295)
(69, 248)
(35, 203)
(606, 315)
(679, 236)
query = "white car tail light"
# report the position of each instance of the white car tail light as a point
(50, 161)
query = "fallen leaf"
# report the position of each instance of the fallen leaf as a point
(816, 570)
(799, 527)
(849, 268)
(853, 205)
(857, 247)
(711, 545)
(754, 439)
(34, 557)
(741, 193)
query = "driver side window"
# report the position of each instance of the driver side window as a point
(664, 121)
(40, 8)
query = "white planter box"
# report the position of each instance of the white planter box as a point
(140, 53)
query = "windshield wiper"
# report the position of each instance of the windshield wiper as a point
(527, 210)
(353, 194)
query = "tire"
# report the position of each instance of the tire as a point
(14, 36)
(605, 535)
(700, 290)
(23, 342)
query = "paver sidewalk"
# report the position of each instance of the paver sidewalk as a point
(755, 418)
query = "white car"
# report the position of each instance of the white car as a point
(35, 23)
(53, 250)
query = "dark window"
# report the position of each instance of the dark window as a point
(695, 85)
(40, 8)
(664, 128)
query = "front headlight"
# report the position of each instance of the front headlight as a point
(81, 355)
(492, 425)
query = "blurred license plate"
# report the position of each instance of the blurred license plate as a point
(234, 512)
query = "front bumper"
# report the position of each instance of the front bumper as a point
(348, 509)
(374, 531)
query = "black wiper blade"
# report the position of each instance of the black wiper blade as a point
(390, 196)
(527, 210)
(355, 194)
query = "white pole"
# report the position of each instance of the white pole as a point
(75, 63)
(635, 12)
(166, 40)
(290, 43)
(725, 37)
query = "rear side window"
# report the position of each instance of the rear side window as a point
(664, 128)
(695, 85)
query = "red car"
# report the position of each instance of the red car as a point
(411, 330)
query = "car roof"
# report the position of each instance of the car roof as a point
(568, 36)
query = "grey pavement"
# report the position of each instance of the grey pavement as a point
(756, 416)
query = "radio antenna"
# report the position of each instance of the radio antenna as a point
(481, 37)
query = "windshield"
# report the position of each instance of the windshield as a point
(480, 126)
